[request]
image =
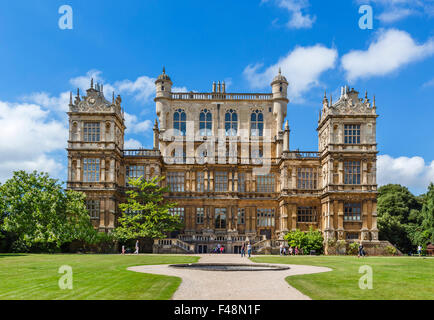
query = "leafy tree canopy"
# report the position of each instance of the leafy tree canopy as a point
(397, 207)
(422, 231)
(40, 213)
(307, 241)
(146, 214)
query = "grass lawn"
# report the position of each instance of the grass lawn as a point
(96, 277)
(393, 277)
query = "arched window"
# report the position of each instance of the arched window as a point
(205, 123)
(231, 123)
(180, 122)
(257, 124)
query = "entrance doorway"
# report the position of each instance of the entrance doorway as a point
(266, 233)
(201, 248)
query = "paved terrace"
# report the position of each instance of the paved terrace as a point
(233, 285)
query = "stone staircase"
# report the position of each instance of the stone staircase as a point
(170, 246)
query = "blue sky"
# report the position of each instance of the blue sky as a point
(318, 44)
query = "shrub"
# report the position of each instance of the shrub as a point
(353, 248)
(391, 250)
(306, 241)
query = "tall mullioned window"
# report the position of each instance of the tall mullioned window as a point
(307, 178)
(134, 172)
(221, 181)
(93, 207)
(265, 183)
(306, 214)
(200, 215)
(180, 122)
(180, 212)
(205, 123)
(257, 124)
(176, 181)
(241, 182)
(231, 123)
(200, 181)
(352, 212)
(220, 218)
(91, 170)
(266, 217)
(352, 172)
(241, 216)
(352, 133)
(92, 132)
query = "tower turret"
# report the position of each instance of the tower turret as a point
(279, 87)
(163, 86)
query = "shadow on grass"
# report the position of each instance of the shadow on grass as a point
(7, 255)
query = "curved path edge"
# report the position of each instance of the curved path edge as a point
(234, 285)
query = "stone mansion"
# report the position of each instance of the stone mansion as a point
(228, 163)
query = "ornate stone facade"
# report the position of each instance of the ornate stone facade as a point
(228, 162)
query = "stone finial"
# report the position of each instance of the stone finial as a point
(224, 87)
(70, 98)
(91, 83)
(331, 100)
(280, 70)
(219, 87)
(287, 125)
(113, 98)
(214, 85)
(374, 105)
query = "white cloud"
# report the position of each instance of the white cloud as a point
(142, 89)
(413, 172)
(428, 84)
(302, 67)
(133, 144)
(391, 50)
(27, 137)
(135, 126)
(298, 19)
(57, 104)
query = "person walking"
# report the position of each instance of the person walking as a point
(123, 249)
(281, 248)
(249, 250)
(137, 247)
(296, 251)
(361, 251)
(290, 251)
(419, 250)
(243, 250)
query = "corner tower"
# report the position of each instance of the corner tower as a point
(95, 150)
(348, 155)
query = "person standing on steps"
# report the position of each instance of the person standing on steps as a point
(243, 250)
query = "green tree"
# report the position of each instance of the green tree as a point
(41, 214)
(146, 214)
(306, 241)
(422, 231)
(397, 206)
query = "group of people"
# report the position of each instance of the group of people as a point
(136, 248)
(289, 251)
(218, 249)
(247, 248)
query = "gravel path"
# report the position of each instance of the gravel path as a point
(234, 285)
